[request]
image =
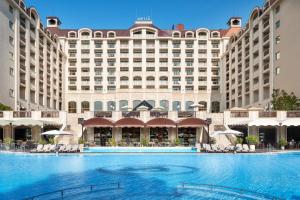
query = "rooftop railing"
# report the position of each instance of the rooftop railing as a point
(267, 114)
(237, 114)
(50, 114)
(21, 114)
(292, 114)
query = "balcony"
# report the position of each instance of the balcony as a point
(105, 114)
(158, 114)
(185, 114)
(239, 114)
(293, 114)
(21, 114)
(267, 114)
(49, 114)
(135, 114)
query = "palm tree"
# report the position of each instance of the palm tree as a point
(281, 100)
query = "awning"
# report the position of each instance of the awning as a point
(264, 122)
(98, 122)
(161, 122)
(191, 123)
(239, 123)
(291, 122)
(50, 123)
(226, 132)
(27, 122)
(56, 132)
(129, 122)
(4, 122)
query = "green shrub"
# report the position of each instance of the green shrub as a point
(42, 141)
(112, 141)
(252, 139)
(7, 140)
(145, 142)
(81, 141)
(282, 142)
(177, 142)
(239, 140)
(51, 140)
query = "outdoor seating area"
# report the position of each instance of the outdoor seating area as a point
(53, 148)
(238, 148)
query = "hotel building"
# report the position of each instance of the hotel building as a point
(32, 60)
(145, 82)
(263, 56)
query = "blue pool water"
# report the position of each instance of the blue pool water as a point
(140, 150)
(149, 176)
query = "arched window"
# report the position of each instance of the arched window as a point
(85, 34)
(137, 78)
(189, 34)
(111, 34)
(204, 107)
(97, 34)
(72, 34)
(176, 34)
(123, 105)
(135, 103)
(163, 78)
(215, 35)
(98, 106)
(164, 104)
(151, 102)
(176, 106)
(124, 78)
(85, 106)
(202, 34)
(215, 107)
(111, 106)
(188, 105)
(72, 107)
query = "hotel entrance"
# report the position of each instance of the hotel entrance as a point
(22, 133)
(187, 136)
(102, 136)
(159, 135)
(267, 136)
(131, 136)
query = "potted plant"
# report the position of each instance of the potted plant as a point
(7, 141)
(42, 141)
(282, 143)
(252, 140)
(239, 140)
(177, 142)
(145, 142)
(112, 142)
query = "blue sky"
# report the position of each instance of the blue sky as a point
(120, 14)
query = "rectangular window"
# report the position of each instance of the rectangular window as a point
(11, 40)
(277, 9)
(11, 71)
(11, 25)
(277, 70)
(277, 40)
(11, 9)
(277, 24)
(11, 93)
(277, 55)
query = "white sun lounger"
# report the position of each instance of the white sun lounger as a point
(239, 148)
(215, 148)
(245, 148)
(252, 148)
(37, 149)
(74, 148)
(223, 149)
(46, 148)
(62, 148)
(68, 148)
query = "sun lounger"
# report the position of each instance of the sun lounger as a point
(252, 148)
(68, 148)
(80, 147)
(37, 149)
(74, 148)
(230, 148)
(223, 149)
(46, 148)
(245, 148)
(215, 148)
(52, 148)
(239, 148)
(208, 148)
(62, 149)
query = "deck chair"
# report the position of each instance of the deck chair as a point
(37, 149)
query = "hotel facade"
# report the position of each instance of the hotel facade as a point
(145, 82)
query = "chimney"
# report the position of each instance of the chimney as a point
(180, 27)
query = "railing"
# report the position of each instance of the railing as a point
(159, 114)
(107, 114)
(50, 114)
(267, 114)
(225, 191)
(237, 114)
(131, 114)
(22, 114)
(185, 114)
(290, 114)
(68, 192)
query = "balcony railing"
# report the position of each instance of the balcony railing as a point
(107, 114)
(185, 114)
(159, 114)
(267, 114)
(292, 114)
(131, 114)
(50, 114)
(21, 114)
(237, 114)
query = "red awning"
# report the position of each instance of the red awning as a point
(98, 122)
(191, 123)
(161, 122)
(129, 122)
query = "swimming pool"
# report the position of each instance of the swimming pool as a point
(140, 150)
(149, 176)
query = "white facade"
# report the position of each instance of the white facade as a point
(32, 60)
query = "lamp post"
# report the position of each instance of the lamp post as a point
(208, 121)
